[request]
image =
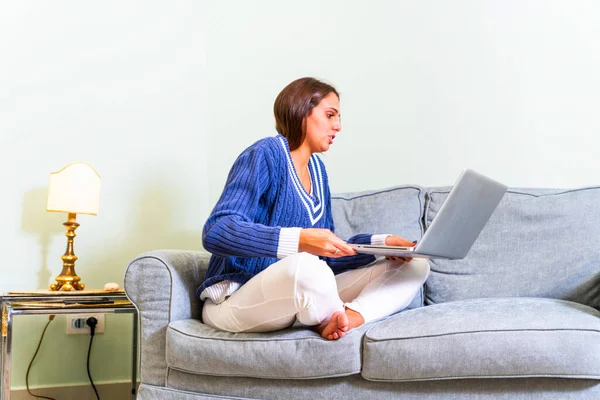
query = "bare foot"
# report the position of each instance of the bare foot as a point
(355, 319)
(335, 328)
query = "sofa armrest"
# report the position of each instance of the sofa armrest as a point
(162, 284)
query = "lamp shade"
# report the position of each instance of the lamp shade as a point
(74, 189)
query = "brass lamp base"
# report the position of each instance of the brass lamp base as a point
(66, 283)
(68, 279)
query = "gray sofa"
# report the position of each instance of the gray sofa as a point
(516, 319)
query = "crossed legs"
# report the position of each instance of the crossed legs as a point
(302, 289)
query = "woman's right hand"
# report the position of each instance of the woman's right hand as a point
(323, 242)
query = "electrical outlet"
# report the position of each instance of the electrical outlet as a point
(76, 323)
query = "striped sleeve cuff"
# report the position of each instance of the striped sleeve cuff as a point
(378, 240)
(289, 239)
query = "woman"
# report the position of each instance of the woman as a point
(276, 260)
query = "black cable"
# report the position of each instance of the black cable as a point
(50, 319)
(91, 322)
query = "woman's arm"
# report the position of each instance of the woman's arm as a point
(347, 257)
(340, 264)
(230, 230)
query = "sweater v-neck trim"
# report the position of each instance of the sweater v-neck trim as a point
(313, 202)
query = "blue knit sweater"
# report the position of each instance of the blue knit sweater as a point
(263, 198)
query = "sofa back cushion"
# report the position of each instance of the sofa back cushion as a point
(538, 243)
(397, 210)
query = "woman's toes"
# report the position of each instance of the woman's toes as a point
(342, 321)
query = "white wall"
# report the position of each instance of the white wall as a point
(122, 86)
(509, 88)
(160, 97)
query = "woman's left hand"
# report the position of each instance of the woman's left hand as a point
(398, 241)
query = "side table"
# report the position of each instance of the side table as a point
(44, 302)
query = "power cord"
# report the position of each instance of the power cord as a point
(91, 322)
(50, 319)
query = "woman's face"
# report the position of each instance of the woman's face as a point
(323, 124)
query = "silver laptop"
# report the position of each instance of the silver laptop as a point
(457, 224)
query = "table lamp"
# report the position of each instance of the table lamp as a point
(75, 189)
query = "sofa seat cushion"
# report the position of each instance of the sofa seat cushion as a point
(486, 338)
(288, 354)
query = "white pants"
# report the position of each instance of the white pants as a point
(303, 288)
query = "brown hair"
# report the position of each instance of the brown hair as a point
(294, 103)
